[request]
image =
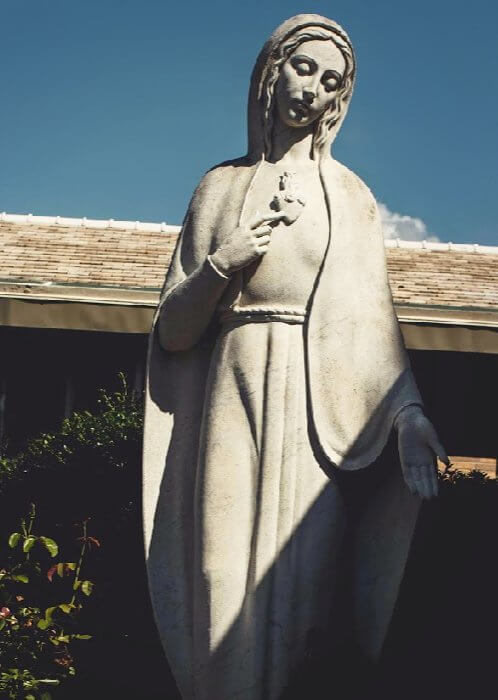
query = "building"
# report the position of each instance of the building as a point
(77, 298)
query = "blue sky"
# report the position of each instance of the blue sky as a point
(115, 108)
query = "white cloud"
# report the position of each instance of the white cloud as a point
(407, 228)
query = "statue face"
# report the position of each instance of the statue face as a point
(309, 82)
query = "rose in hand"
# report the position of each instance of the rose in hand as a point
(288, 200)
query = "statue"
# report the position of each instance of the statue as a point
(277, 373)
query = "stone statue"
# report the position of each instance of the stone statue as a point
(277, 373)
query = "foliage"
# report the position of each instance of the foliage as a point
(93, 458)
(90, 467)
(36, 638)
(109, 436)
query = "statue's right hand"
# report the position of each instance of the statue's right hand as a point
(246, 244)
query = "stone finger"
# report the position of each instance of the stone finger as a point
(433, 480)
(421, 487)
(262, 231)
(258, 219)
(438, 448)
(264, 241)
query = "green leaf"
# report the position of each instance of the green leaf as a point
(43, 624)
(63, 638)
(45, 696)
(66, 607)
(28, 543)
(60, 569)
(82, 636)
(2, 623)
(22, 578)
(29, 697)
(49, 681)
(14, 539)
(49, 612)
(87, 587)
(51, 545)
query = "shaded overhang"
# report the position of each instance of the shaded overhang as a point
(119, 310)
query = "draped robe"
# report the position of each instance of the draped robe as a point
(356, 378)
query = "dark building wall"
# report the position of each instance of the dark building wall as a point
(45, 374)
(459, 392)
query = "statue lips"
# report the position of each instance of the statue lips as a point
(301, 108)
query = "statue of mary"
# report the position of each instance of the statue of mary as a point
(277, 374)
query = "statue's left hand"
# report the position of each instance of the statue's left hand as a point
(419, 446)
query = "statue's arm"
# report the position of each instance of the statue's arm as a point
(188, 307)
(189, 303)
(418, 443)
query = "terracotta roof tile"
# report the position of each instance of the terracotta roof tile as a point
(132, 255)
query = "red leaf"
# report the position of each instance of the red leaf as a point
(51, 572)
(5, 612)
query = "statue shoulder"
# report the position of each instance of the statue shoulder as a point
(210, 206)
(353, 182)
(359, 194)
(216, 183)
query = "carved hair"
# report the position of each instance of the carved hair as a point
(332, 114)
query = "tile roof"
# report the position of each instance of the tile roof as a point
(135, 255)
(449, 276)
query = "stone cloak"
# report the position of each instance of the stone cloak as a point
(358, 379)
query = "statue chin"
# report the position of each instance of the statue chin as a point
(295, 120)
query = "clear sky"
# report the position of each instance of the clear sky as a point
(115, 108)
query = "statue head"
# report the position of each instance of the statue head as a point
(305, 76)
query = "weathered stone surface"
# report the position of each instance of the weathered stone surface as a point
(274, 513)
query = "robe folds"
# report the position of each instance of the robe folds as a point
(245, 436)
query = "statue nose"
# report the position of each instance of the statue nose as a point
(309, 95)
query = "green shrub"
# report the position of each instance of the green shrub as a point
(91, 468)
(39, 626)
(105, 443)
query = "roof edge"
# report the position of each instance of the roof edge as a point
(447, 316)
(439, 246)
(411, 314)
(115, 296)
(88, 223)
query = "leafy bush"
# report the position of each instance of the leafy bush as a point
(102, 445)
(91, 468)
(36, 632)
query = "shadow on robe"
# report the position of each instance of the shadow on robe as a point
(379, 520)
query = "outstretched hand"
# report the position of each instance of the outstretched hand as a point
(418, 446)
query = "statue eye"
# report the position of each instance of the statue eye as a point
(303, 66)
(331, 81)
(330, 85)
